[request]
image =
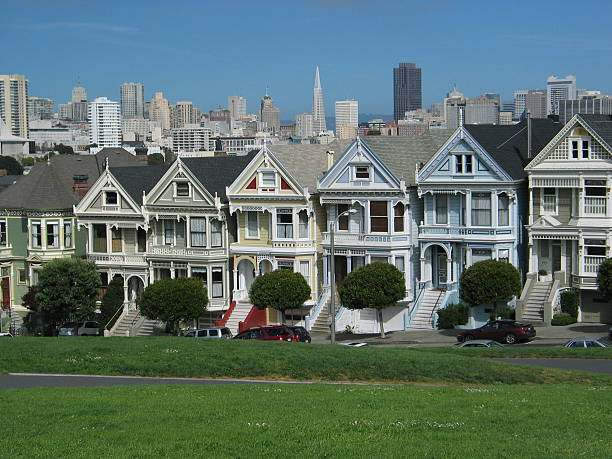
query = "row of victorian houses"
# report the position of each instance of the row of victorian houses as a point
(536, 194)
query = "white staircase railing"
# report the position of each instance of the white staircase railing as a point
(310, 319)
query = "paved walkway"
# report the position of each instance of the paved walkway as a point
(440, 338)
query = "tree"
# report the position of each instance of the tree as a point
(489, 281)
(281, 290)
(377, 286)
(174, 300)
(28, 161)
(11, 165)
(112, 301)
(63, 149)
(604, 278)
(68, 290)
(156, 159)
(169, 155)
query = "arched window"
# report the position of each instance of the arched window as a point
(398, 217)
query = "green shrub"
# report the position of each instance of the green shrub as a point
(570, 303)
(504, 313)
(453, 314)
(562, 319)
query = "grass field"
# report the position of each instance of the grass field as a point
(171, 356)
(308, 421)
(527, 352)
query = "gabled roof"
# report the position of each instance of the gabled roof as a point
(402, 154)
(49, 184)
(135, 181)
(307, 162)
(507, 144)
(601, 124)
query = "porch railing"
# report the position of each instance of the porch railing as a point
(310, 319)
(592, 262)
(595, 206)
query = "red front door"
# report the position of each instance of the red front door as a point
(6, 292)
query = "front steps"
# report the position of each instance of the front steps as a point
(429, 304)
(133, 324)
(239, 314)
(321, 323)
(534, 304)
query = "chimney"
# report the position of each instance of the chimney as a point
(330, 159)
(528, 134)
(80, 186)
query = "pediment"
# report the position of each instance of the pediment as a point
(546, 221)
(179, 187)
(107, 195)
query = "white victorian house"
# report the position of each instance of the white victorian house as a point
(570, 218)
(370, 199)
(475, 204)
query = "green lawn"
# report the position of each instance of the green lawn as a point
(308, 421)
(173, 356)
(527, 352)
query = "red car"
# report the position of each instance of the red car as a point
(504, 331)
(269, 333)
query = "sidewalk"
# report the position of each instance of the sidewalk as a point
(443, 338)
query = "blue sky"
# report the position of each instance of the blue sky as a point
(204, 51)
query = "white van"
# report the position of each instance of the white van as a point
(213, 332)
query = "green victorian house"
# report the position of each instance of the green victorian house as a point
(37, 223)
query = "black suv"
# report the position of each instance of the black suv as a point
(301, 333)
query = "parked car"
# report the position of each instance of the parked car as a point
(301, 333)
(213, 332)
(479, 343)
(5, 335)
(269, 333)
(86, 328)
(505, 331)
(588, 342)
(354, 344)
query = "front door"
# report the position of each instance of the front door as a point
(441, 270)
(6, 292)
(341, 269)
(556, 256)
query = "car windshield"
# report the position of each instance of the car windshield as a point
(69, 325)
(279, 331)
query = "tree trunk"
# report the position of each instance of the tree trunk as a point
(381, 323)
(283, 319)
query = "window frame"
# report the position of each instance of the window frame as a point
(401, 219)
(3, 232)
(436, 213)
(213, 232)
(473, 209)
(176, 189)
(543, 209)
(166, 227)
(500, 210)
(285, 225)
(380, 217)
(356, 178)
(192, 232)
(303, 227)
(261, 183)
(106, 194)
(213, 283)
(68, 238)
(33, 224)
(247, 225)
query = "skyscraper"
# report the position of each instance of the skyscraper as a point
(14, 103)
(183, 113)
(519, 103)
(132, 100)
(303, 125)
(40, 108)
(559, 89)
(159, 110)
(104, 123)
(78, 109)
(535, 103)
(347, 118)
(270, 115)
(237, 106)
(406, 89)
(318, 109)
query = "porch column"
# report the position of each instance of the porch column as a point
(449, 271)
(151, 277)
(534, 256)
(422, 266)
(349, 264)
(581, 198)
(90, 245)
(235, 274)
(125, 290)
(468, 208)
(188, 231)
(325, 270)
(109, 239)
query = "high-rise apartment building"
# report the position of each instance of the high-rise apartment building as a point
(482, 110)
(347, 118)
(104, 123)
(406, 89)
(159, 110)
(40, 108)
(183, 113)
(65, 111)
(237, 105)
(269, 115)
(79, 108)
(192, 138)
(14, 103)
(559, 89)
(318, 108)
(132, 100)
(600, 105)
(303, 125)
(519, 103)
(535, 103)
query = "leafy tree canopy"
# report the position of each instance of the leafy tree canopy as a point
(112, 301)
(63, 149)
(174, 300)
(377, 285)
(604, 278)
(155, 159)
(68, 290)
(11, 165)
(489, 281)
(281, 289)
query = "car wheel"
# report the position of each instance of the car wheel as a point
(468, 338)
(510, 338)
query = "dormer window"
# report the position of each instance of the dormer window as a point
(182, 189)
(267, 180)
(362, 173)
(463, 164)
(580, 148)
(110, 198)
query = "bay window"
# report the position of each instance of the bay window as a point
(343, 221)
(441, 209)
(141, 240)
(198, 231)
(284, 224)
(379, 217)
(481, 209)
(303, 224)
(480, 255)
(216, 234)
(53, 235)
(36, 235)
(116, 245)
(67, 234)
(549, 201)
(305, 270)
(168, 232)
(398, 217)
(503, 210)
(252, 225)
(99, 238)
(217, 282)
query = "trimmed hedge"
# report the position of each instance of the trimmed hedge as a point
(453, 314)
(562, 319)
(504, 313)
(570, 303)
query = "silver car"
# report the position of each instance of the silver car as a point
(480, 343)
(86, 328)
(591, 341)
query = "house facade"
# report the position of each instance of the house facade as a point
(37, 222)
(475, 201)
(570, 217)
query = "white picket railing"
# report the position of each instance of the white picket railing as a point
(310, 319)
(595, 206)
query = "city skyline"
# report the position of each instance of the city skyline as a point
(130, 51)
